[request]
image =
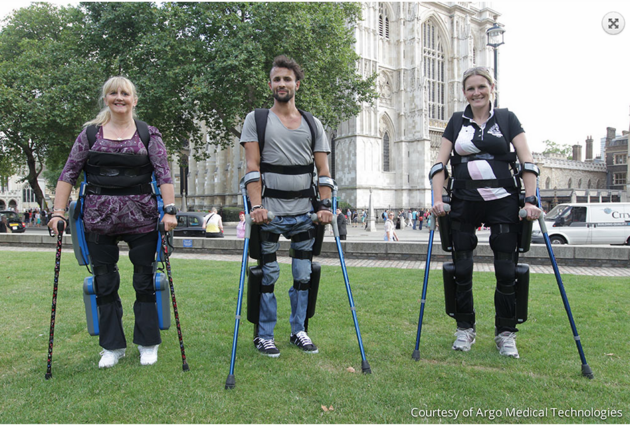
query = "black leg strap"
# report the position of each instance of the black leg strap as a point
(505, 322)
(103, 239)
(269, 258)
(145, 298)
(304, 236)
(505, 228)
(107, 299)
(301, 286)
(301, 255)
(267, 289)
(269, 237)
(143, 269)
(463, 227)
(464, 287)
(464, 317)
(104, 269)
(504, 256)
(462, 255)
(506, 289)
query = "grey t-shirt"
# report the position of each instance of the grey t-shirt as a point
(286, 147)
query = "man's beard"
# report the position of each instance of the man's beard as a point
(286, 98)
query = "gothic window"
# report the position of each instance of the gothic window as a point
(588, 184)
(548, 183)
(579, 184)
(434, 70)
(570, 183)
(383, 21)
(386, 152)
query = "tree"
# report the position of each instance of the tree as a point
(196, 65)
(234, 45)
(207, 63)
(43, 87)
(555, 148)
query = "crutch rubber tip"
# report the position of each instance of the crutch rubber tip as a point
(365, 367)
(48, 375)
(230, 383)
(185, 367)
(586, 371)
(416, 355)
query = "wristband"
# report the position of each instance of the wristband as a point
(256, 207)
(531, 200)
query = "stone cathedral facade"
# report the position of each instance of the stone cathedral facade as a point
(419, 51)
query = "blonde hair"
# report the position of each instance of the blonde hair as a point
(113, 83)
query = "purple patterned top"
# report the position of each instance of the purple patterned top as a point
(119, 215)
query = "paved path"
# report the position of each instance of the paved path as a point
(419, 265)
(359, 234)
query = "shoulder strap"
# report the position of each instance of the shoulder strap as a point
(311, 125)
(261, 126)
(143, 132)
(91, 134)
(503, 115)
(458, 120)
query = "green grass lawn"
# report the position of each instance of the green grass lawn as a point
(479, 386)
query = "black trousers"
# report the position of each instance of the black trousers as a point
(104, 253)
(466, 216)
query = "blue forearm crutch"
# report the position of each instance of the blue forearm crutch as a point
(231, 382)
(586, 370)
(365, 366)
(431, 225)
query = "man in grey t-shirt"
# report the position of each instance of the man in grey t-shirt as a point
(282, 167)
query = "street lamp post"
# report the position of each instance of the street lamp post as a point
(184, 152)
(495, 39)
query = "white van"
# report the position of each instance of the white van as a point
(581, 224)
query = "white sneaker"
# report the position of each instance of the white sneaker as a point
(148, 354)
(110, 358)
(506, 344)
(465, 339)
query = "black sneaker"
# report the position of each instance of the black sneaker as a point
(302, 340)
(266, 347)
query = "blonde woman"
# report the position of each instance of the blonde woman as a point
(479, 142)
(119, 206)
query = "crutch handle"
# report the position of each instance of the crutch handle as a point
(161, 227)
(270, 216)
(447, 207)
(541, 220)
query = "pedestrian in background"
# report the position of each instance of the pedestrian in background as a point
(342, 225)
(240, 227)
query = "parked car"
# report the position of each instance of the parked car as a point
(586, 224)
(15, 222)
(190, 224)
